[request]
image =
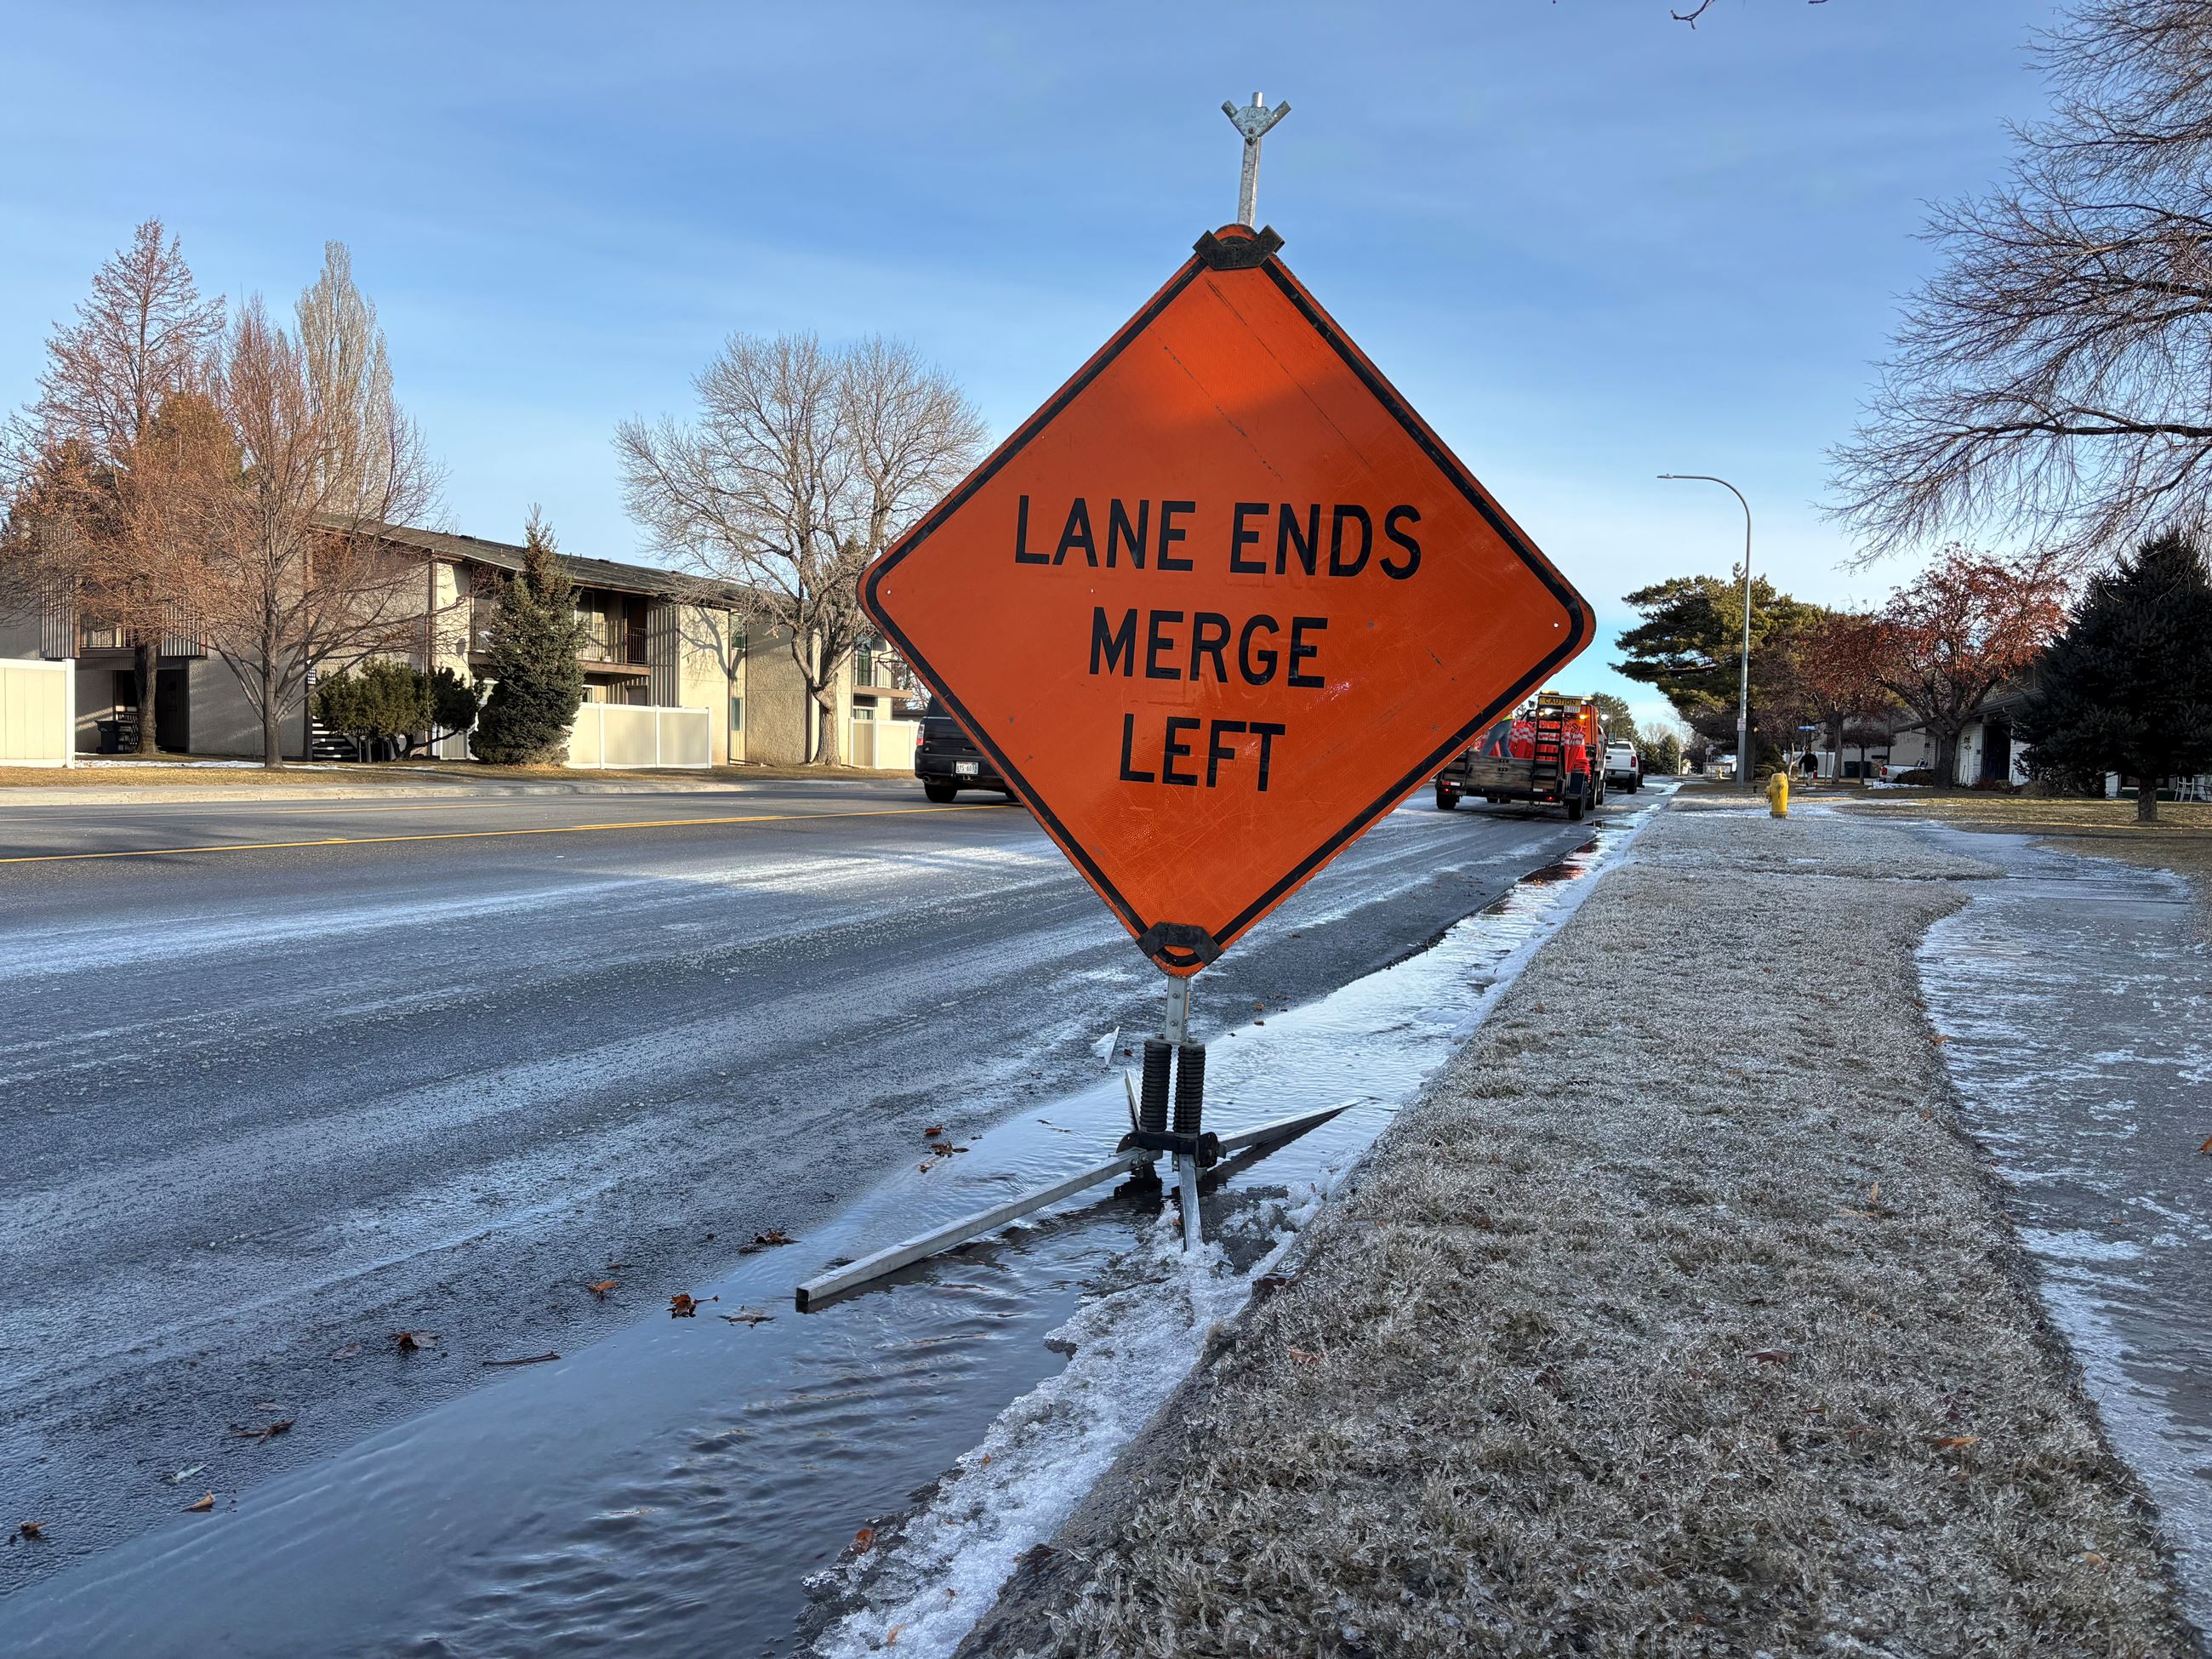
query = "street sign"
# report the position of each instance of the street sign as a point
(1221, 603)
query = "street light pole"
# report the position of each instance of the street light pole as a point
(1743, 677)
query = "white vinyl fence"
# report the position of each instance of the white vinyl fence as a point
(619, 734)
(38, 713)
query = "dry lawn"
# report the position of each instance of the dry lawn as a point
(1676, 1318)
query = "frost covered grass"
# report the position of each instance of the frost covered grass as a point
(2181, 840)
(1675, 1318)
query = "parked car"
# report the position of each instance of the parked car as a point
(1624, 767)
(1906, 772)
(947, 761)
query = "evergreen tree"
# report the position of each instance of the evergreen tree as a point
(538, 682)
(2127, 687)
(377, 702)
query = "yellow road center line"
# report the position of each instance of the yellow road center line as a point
(484, 834)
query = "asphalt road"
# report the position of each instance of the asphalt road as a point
(280, 1079)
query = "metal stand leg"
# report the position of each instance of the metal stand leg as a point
(1189, 1096)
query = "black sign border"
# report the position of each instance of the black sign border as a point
(1175, 958)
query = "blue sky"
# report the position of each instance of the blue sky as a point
(1590, 243)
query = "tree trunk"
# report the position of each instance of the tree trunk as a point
(272, 742)
(147, 660)
(2146, 800)
(1947, 759)
(825, 715)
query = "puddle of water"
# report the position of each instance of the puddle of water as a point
(672, 1487)
(2076, 999)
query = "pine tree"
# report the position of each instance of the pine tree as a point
(538, 681)
(2127, 687)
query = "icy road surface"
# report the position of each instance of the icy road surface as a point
(2076, 1000)
(265, 1109)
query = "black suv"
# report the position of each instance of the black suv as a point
(947, 761)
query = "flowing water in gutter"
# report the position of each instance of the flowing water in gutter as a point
(696, 1485)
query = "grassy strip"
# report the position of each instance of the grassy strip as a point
(1676, 1318)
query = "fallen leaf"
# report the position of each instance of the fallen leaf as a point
(2094, 1559)
(411, 1341)
(1268, 1284)
(773, 1237)
(1771, 1356)
(933, 1132)
(201, 1507)
(31, 1529)
(601, 1289)
(747, 1316)
(527, 1359)
(862, 1539)
(1956, 1442)
(1874, 1195)
(1305, 1358)
(681, 1306)
(347, 1351)
(1259, 1022)
(891, 1636)
(983, 1460)
(1939, 1039)
(183, 1475)
(268, 1433)
(2206, 1147)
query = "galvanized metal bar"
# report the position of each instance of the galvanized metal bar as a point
(1282, 1129)
(838, 1280)
(1254, 122)
(1187, 1184)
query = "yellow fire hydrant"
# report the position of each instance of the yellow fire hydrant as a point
(1777, 794)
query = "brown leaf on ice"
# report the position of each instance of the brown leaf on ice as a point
(747, 1316)
(202, 1507)
(891, 1636)
(681, 1306)
(772, 1237)
(1771, 1356)
(2091, 1558)
(601, 1289)
(2206, 1147)
(1956, 1442)
(933, 1132)
(31, 1529)
(282, 1426)
(1304, 1357)
(862, 1539)
(411, 1341)
(527, 1359)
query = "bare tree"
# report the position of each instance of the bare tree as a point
(297, 574)
(2054, 380)
(802, 465)
(143, 340)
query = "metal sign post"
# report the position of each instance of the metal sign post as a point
(1255, 120)
(1211, 611)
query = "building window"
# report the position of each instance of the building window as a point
(737, 713)
(864, 709)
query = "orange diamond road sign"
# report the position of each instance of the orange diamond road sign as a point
(1222, 603)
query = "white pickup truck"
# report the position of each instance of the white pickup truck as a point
(1624, 767)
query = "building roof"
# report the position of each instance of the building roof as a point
(585, 572)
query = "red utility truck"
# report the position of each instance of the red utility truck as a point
(1551, 753)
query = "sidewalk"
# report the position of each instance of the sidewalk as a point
(1675, 1318)
(112, 784)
